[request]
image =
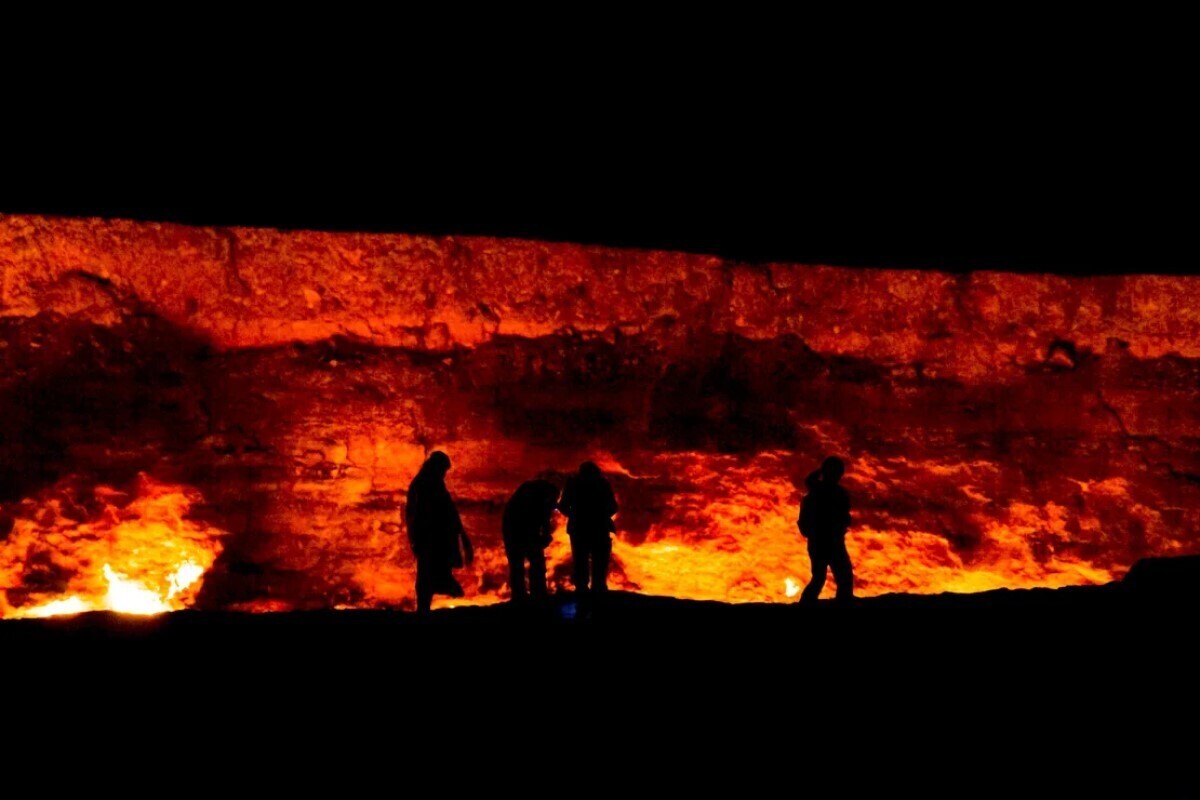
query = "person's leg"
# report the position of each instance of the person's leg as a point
(579, 563)
(819, 567)
(843, 573)
(516, 573)
(537, 572)
(424, 587)
(600, 555)
(451, 586)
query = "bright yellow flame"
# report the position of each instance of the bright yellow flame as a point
(124, 595)
(57, 608)
(460, 602)
(188, 573)
(791, 588)
(131, 597)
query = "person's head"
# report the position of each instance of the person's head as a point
(832, 469)
(438, 463)
(588, 469)
(547, 493)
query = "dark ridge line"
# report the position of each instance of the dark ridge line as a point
(1002, 599)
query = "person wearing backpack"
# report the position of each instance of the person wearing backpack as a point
(824, 519)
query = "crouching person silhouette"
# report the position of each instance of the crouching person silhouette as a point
(527, 529)
(824, 519)
(589, 505)
(435, 532)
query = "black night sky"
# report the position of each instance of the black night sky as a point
(927, 170)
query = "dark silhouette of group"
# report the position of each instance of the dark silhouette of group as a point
(441, 545)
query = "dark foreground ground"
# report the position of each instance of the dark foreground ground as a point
(696, 695)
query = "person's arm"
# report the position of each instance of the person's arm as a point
(567, 504)
(845, 510)
(611, 500)
(468, 550)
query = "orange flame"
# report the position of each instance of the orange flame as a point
(134, 556)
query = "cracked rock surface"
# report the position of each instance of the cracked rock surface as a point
(1000, 429)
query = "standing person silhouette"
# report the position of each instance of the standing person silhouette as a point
(435, 531)
(824, 519)
(527, 530)
(588, 503)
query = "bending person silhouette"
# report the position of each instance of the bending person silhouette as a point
(824, 519)
(527, 530)
(435, 532)
(588, 503)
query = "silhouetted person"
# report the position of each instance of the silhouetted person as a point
(527, 530)
(589, 505)
(824, 519)
(435, 532)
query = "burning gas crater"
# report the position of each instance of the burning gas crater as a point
(729, 535)
(124, 595)
(229, 419)
(103, 550)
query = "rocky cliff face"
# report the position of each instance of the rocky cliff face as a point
(277, 391)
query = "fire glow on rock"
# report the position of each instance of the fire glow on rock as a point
(229, 419)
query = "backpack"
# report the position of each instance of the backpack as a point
(808, 516)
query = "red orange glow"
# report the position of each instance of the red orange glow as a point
(278, 391)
